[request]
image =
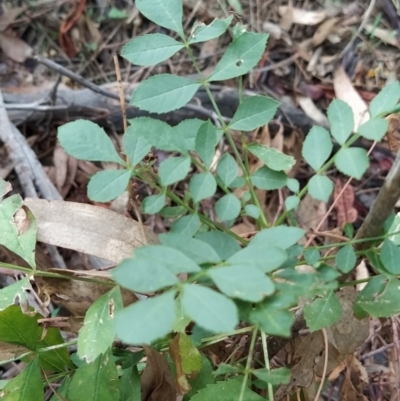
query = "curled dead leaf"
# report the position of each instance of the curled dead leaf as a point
(15, 48)
(303, 17)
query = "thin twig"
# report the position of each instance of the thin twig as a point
(120, 91)
(321, 386)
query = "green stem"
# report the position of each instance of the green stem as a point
(248, 364)
(266, 361)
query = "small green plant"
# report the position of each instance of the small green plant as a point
(227, 279)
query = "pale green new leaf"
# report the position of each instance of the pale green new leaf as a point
(271, 157)
(106, 185)
(293, 185)
(13, 292)
(245, 282)
(252, 211)
(267, 179)
(320, 187)
(202, 32)
(166, 13)
(150, 49)
(254, 112)
(228, 207)
(27, 386)
(291, 202)
(153, 204)
(146, 320)
(224, 244)
(209, 309)
(352, 162)
(281, 237)
(317, 147)
(187, 225)
(96, 381)
(390, 257)
(186, 131)
(346, 259)
(265, 258)
(85, 140)
(274, 376)
(97, 333)
(173, 169)
(206, 140)
(18, 229)
(386, 100)
(202, 186)
(341, 119)
(136, 146)
(143, 275)
(163, 93)
(243, 53)
(227, 169)
(374, 129)
(323, 312)
(226, 390)
(174, 260)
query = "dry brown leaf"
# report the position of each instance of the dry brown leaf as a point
(345, 91)
(346, 213)
(310, 212)
(9, 16)
(393, 135)
(157, 381)
(304, 17)
(388, 36)
(286, 21)
(361, 274)
(89, 229)
(323, 31)
(60, 161)
(349, 393)
(15, 48)
(312, 110)
(75, 295)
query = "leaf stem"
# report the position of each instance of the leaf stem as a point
(266, 361)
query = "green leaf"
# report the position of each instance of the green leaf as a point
(352, 162)
(187, 225)
(150, 49)
(224, 244)
(136, 147)
(18, 229)
(173, 169)
(96, 381)
(129, 385)
(374, 129)
(317, 147)
(153, 204)
(97, 333)
(272, 317)
(323, 312)
(197, 250)
(163, 93)
(13, 292)
(312, 256)
(27, 386)
(346, 259)
(252, 211)
(228, 207)
(166, 13)
(175, 261)
(274, 376)
(181, 319)
(116, 13)
(263, 257)
(291, 202)
(85, 140)
(209, 309)
(320, 187)
(143, 275)
(186, 131)
(281, 237)
(202, 32)
(238, 182)
(240, 57)
(241, 281)
(146, 320)
(18, 328)
(341, 119)
(254, 112)
(202, 186)
(206, 140)
(172, 212)
(106, 185)
(204, 377)
(390, 257)
(271, 157)
(386, 100)
(62, 390)
(293, 185)
(267, 179)
(237, 6)
(227, 169)
(227, 390)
